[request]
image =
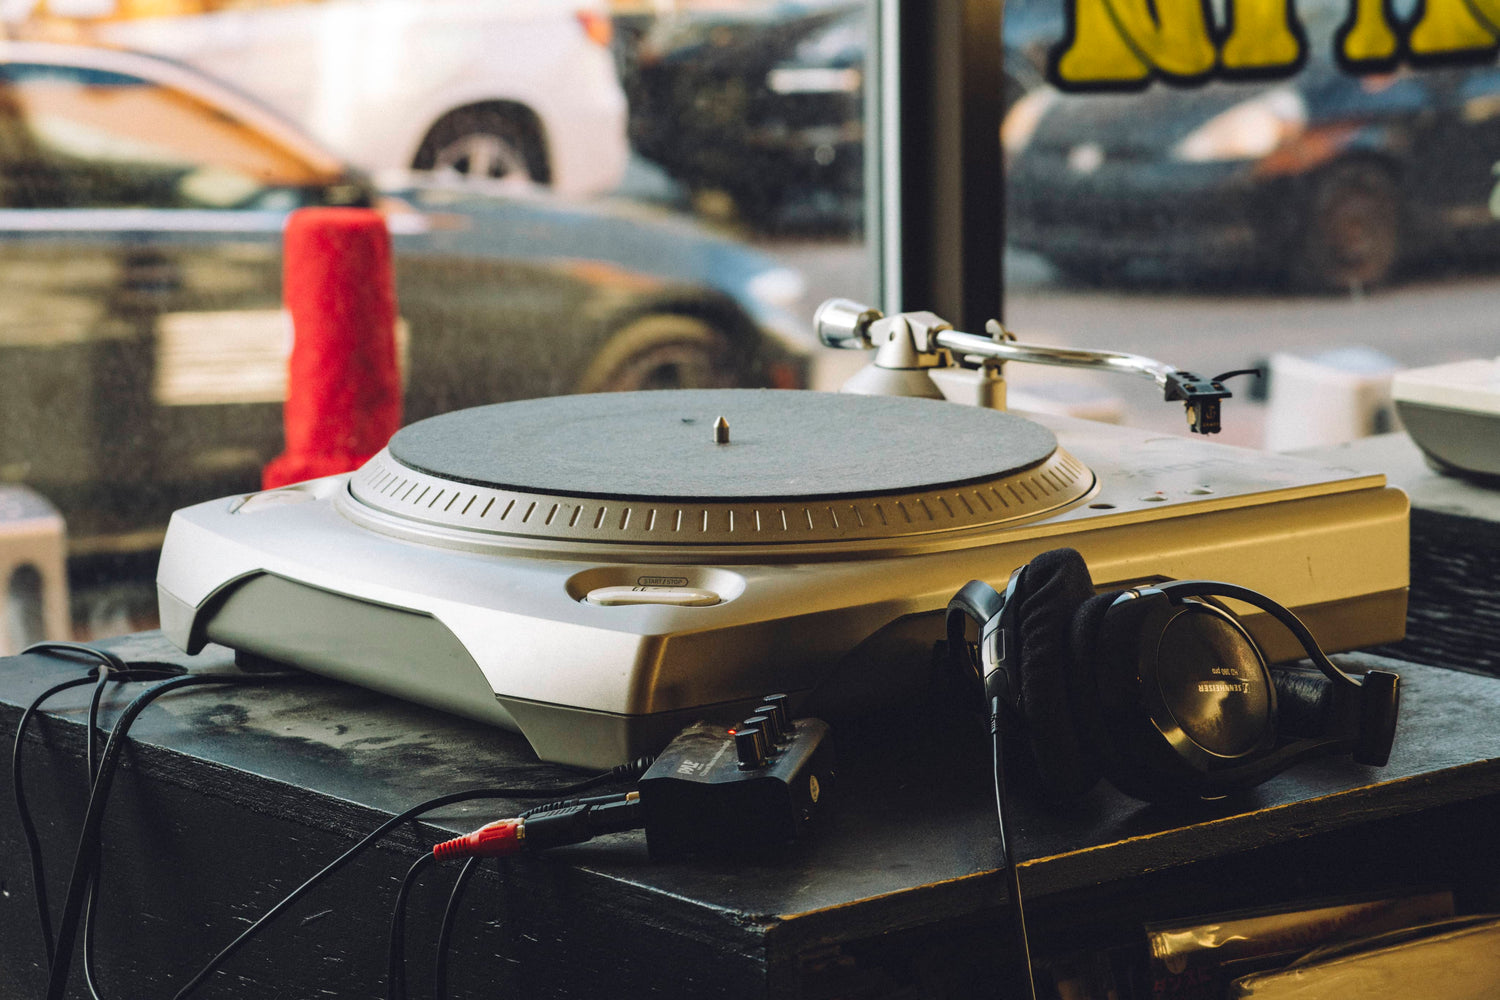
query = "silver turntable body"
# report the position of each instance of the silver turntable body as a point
(595, 572)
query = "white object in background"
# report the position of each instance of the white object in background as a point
(1452, 412)
(1334, 397)
(1083, 400)
(33, 573)
(484, 80)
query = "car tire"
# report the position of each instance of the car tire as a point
(663, 351)
(1353, 238)
(493, 141)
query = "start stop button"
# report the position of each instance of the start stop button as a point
(678, 597)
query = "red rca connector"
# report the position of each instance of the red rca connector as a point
(493, 840)
(551, 825)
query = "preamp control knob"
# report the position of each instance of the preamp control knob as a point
(750, 743)
(776, 733)
(777, 704)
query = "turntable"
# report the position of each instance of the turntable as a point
(595, 572)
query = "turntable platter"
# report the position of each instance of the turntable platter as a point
(647, 467)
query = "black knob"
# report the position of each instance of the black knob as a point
(777, 703)
(750, 743)
(776, 734)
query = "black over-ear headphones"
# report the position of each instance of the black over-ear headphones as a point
(1158, 690)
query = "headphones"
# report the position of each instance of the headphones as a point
(1157, 689)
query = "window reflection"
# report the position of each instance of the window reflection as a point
(1321, 218)
(90, 138)
(142, 343)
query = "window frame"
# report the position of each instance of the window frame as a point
(935, 201)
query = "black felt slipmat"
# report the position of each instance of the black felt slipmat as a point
(783, 445)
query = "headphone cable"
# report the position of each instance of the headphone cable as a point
(1017, 909)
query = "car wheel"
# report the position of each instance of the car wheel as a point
(662, 352)
(486, 141)
(1354, 233)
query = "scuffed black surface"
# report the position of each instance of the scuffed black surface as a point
(230, 797)
(1453, 614)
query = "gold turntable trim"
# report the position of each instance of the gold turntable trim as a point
(388, 486)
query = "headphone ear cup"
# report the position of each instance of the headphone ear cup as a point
(1304, 702)
(1103, 650)
(1056, 584)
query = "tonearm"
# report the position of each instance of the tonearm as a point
(910, 346)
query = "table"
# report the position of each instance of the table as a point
(227, 798)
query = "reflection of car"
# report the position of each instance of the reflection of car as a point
(765, 104)
(492, 87)
(1328, 179)
(142, 345)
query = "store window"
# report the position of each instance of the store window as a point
(582, 197)
(1338, 222)
(83, 137)
(657, 194)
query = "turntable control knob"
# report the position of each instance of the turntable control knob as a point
(750, 743)
(680, 597)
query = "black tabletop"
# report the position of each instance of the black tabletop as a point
(908, 838)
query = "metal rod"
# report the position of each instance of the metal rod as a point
(972, 344)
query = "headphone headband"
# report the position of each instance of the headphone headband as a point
(1178, 589)
(1370, 722)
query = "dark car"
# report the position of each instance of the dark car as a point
(768, 103)
(142, 341)
(764, 104)
(1328, 180)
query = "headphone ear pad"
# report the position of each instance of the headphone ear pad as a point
(1103, 648)
(1055, 585)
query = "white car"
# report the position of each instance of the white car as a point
(520, 89)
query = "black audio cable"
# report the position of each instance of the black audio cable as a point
(1017, 909)
(625, 771)
(979, 604)
(83, 879)
(395, 981)
(23, 811)
(445, 930)
(86, 855)
(134, 672)
(109, 667)
(571, 821)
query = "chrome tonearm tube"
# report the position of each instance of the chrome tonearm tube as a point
(909, 346)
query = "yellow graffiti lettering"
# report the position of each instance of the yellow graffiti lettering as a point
(1261, 37)
(1121, 41)
(1125, 43)
(1367, 36)
(1455, 27)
